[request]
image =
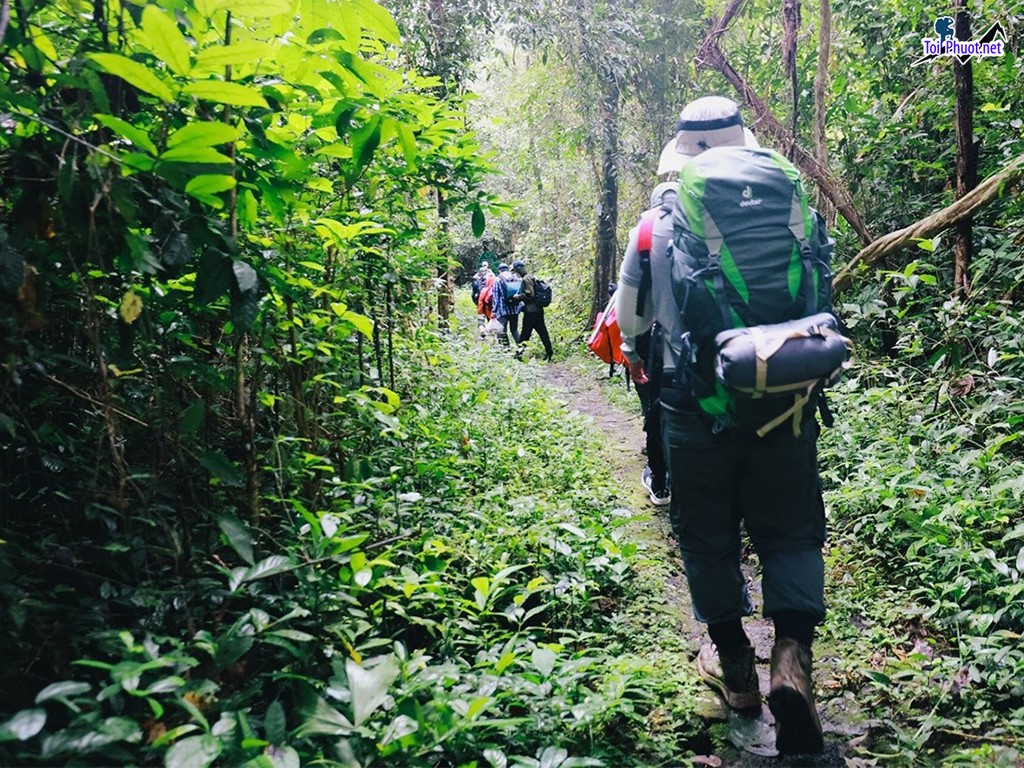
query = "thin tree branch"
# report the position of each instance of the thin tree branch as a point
(5, 19)
(820, 113)
(709, 55)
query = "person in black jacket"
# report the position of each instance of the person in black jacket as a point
(533, 314)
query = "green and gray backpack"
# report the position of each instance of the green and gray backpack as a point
(751, 274)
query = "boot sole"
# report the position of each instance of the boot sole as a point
(795, 728)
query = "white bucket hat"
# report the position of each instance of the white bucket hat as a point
(710, 121)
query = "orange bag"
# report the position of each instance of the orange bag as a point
(606, 339)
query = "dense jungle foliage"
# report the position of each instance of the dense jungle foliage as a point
(265, 499)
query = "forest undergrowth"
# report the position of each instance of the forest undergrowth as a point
(490, 589)
(457, 601)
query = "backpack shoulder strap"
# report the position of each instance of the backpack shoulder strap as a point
(643, 248)
(801, 225)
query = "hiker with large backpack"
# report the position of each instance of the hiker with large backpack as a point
(535, 296)
(752, 348)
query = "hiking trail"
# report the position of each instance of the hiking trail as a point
(585, 391)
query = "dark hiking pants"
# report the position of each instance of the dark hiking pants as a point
(771, 486)
(534, 321)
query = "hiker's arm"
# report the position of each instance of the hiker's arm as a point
(633, 360)
(630, 323)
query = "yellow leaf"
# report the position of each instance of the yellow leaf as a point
(131, 307)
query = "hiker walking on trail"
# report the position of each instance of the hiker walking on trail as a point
(482, 282)
(725, 474)
(503, 308)
(533, 312)
(641, 335)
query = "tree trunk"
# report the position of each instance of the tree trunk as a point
(966, 155)
(446, 293)
(608, 211)
(446, 278)
(825, 207)
(790, 32)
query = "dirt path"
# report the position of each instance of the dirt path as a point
(586, 392)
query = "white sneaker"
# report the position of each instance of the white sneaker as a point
(660, 497)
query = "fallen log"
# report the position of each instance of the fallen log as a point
(993, 187)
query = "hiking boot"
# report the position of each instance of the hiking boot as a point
(658, 494)
(791, 700)
(732, 674)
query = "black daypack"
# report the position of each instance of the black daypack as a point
(541, 292)
(751, 273)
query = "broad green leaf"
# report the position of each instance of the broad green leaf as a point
(377, 21)
(165, 40)
(236, 578)
(245, 306)
(369, 685)
(407, 140)
(193, 153)
(138, 161)
(217, 464)
(194, 752)
(63, 689)
(134, 73)
(220, 92)
(259, 9)
(364, 144)
(321, 718)
(926, 244)
(131, 307)
(479, 223)
(274, 723)
(477, 706)
(544, 660)
(98, 735)
(213, 278)
(292, 634)
(336, 149)
(483, 584)
(362, 323)
(174, 734)
(552, 757)
(192, 418)
(276, 757)
(24, 725)
(245, 276)
(217, 58)
(269, 566)
(203, 133)
(238, 536)
(167, 684)
(248, 207)
(136, 136)
(207, 184)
